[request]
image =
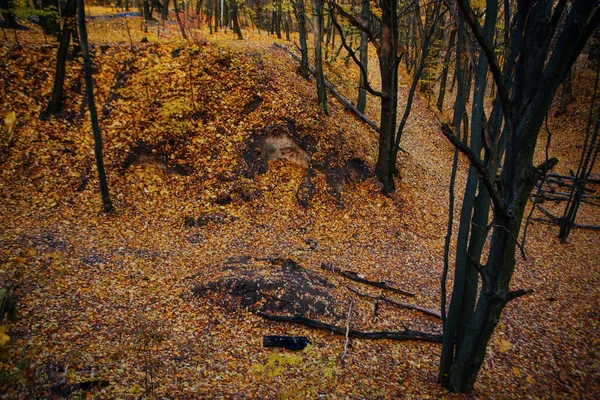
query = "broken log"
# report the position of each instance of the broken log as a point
(358, 278)
(406, 334)
(403, 304)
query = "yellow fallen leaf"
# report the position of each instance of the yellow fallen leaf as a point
(516, 371)
(9, 122)
(504, 346)
(4, 338)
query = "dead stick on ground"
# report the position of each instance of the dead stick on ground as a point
(347, 330)
(424, 310)
(406, 334)
(358, 278)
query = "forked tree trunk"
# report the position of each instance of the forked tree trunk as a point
(537, 74)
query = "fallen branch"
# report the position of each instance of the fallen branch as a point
(403, 304)
(358, 278)
(406, 334)
(347, 330)
(337, 94)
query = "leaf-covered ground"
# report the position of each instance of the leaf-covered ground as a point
(109, 297)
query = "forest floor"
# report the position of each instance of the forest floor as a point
(109, 298)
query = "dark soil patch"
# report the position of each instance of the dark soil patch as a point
(144, 154)
(275, 286)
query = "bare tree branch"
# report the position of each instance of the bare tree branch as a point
(477, 164)
(354, 58)
(355, 23)
(503, 92)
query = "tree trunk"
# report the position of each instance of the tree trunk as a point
(317, 6)
(236, 23)
(278, 19)
(445, 68)
(299, 10)
(364, 57)
(537, 75)
(464, 292)
(55, 105)
(89, 89)
(147, 13)
(179, 21)
(165, 10)
(388, 66)
(8, 13)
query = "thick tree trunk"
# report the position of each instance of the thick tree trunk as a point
(89, 89)
(55, 105)
(278, 19)
(8, 13)
(234, 16)
(317, 6)
(146, 8)
(299, 10)
(364, 57)
(388, 66)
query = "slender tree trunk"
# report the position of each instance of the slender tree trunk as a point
(364, 57)
(317, 6)
(165, 10)
(179, 21)
(445, 68)
(288, 22)
(89, 88)
(56, 103)
(216, 15)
